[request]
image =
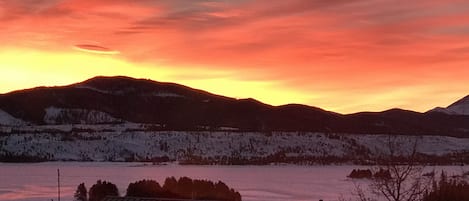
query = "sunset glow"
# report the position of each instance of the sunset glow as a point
(344, 56)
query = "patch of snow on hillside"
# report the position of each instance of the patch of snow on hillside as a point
(166, 94)
(8, 120)
(130, 90)
(461, 107)
(54, 115)
(82, 86)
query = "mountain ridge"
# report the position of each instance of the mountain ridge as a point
(177, 107)
(460, 107)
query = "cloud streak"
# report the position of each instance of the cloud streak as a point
(95, 49)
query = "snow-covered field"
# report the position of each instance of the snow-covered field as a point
(118, 142)
(38, 181)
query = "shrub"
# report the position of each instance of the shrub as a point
(360, 174)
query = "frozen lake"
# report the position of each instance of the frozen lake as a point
(38, 181)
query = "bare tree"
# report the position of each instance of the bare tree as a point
(398, 175)
(401, 177)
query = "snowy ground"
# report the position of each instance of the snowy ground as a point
(38, 181)
(118, 142)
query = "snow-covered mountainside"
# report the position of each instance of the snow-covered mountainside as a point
(7, 119)
(460, 107)
(171, 122)
(137, 142)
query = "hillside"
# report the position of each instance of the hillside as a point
(126, 119)
(137, 142)
(170, 106)
(460, 107)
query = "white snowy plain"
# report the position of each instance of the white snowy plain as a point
(116, 142)
(38, 181)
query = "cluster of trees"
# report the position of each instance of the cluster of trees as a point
(400, 178)
(182, 188)
(360, 174)
(445, 189)
(368, 174)
(97, 192)
(10, 157)
(276, 158)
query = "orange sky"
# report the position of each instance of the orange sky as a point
(341, 55)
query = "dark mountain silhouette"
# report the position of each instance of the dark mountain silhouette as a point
(177, 107)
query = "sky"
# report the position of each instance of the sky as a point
(340, 55)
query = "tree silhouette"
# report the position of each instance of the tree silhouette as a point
(145, 188)
(404, 180)
(81, 193)
(453, 189)
(183, 188)
(102, 189)
(398, 177)
(170, 184)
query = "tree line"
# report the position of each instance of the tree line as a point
(182, 188)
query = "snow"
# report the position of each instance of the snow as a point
(164, 94)
(129, 90)
(37, 181)
(7, 119)
(28, 182)
(106, 142)
(228, 129)
(454, 110)
(82, 86)
(461, 107)
(54, 115)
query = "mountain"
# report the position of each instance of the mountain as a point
(169, 106)
(173, 106)
(460, 107)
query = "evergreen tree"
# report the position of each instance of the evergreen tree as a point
(102, 189)
(185, 187)
(171, 185)
(145, 188)
(448, 189)
(81, 193)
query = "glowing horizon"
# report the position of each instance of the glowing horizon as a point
(342, 56)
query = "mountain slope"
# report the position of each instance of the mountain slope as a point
(111, 143)
(460, 107)
(170, 106)
(8, 120)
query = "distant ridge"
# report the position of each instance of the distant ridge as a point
(176, 107)
(460, 107)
